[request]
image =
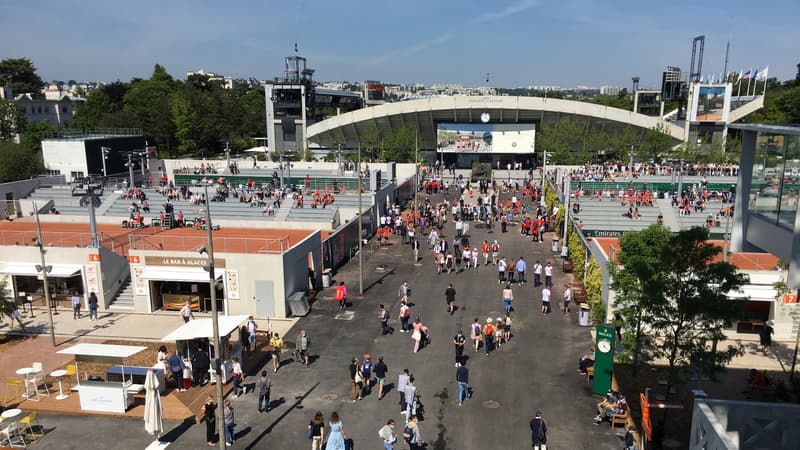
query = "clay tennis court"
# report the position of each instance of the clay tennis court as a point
(121, 240)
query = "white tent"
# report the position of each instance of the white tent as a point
(203, 328)
(260, 149)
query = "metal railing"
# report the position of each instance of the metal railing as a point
(73, 133)
(221, 244)
(50, 238)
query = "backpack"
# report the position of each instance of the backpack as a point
(407, 312)
(476, 329)
(408, 433)
(366, 368)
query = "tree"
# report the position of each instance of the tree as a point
(18, 162)
(399, 144)
(688, 300)
(657, 143)
(93, 113)
(7, 304)
(12, 119)
(20, 74)
(148, 102)
(635, 267)
(370, 143)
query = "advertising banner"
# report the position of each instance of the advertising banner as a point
(485, 138)
(711, 103)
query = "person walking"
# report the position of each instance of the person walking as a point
(521, 267)
(402, 382)
(316, 431)
(410, 393)
(277, 346)
(546, 300)
(337, 435)
(501, 270)
(537, 274)
(508, 297)
(200, 366)
(567, 298)
(380, 376)
(176, 366)
(403, 291)
(548, 274)
(341, 295)
(450, 297)
(365, 371)
(405, 314)
(76, 305)
(475, 334)
(303, 344)
(355, 380)
(264, 390)
(538, 432)
(252, 329)
(488, 336)
(209, 411)
(383, 317)
(238, 377)
(93, 303)
(419, 334)
(414, 438)
(458, 341)
(186, 312)
(462, 378)
(386, 433)
(229, 419)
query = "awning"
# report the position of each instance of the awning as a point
(103, 350)
(29, 269)
(754, 293)
(203, 328)
(166, 273)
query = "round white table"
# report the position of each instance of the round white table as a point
(26, 371)
(11, 413)
(59, 374)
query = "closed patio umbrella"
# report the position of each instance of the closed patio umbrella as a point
(153, 422)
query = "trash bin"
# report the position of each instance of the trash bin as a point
(326, 278)
(583, 315)
(554, 245)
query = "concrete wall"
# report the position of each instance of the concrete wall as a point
(728, 425)
(114, 271)
(255, 224)
(21, 189)
(67, 156)
(296, 265)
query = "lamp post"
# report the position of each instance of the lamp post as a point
(416, 173)
(544, 177)
(130, 169)
(360, 229)
(43, 268)
(104, 153)
(216, 362)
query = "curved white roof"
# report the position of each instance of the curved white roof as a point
(425, 113)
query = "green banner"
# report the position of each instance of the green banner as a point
(603, 359)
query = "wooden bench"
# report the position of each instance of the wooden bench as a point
(620, 419)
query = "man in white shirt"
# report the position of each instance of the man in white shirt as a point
(548, 275)
(546, 300)
(186, 312)
(501, 270)
(567, 298)
(537, 274)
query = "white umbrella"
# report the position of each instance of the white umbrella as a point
(153, 423)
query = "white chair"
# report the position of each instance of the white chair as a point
(40, 379)
(11, 436)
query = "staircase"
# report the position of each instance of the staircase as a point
(665, 208)
(124, 298)
(282, 214)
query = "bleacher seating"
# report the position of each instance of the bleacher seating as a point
(63, 200)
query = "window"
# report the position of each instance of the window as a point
(47, 110)
(776, 178)
(791, 183)
(75, 175)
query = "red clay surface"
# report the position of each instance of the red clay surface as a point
(226, 239)
(742, 261)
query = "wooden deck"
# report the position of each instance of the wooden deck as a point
(177, 406)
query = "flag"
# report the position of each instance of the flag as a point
(763, 74)
(746, 75)
(755, 74)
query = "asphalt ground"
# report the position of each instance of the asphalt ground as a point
(536, 370)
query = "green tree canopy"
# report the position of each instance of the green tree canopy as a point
(20, 74)
(18, 162)
(12, 119)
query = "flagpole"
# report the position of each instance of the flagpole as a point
(749, 77)
(766, 74)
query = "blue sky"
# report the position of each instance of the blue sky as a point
(519, 42)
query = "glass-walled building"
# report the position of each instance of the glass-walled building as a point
(766, 216)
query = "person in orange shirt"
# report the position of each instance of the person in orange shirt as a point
(485, 252)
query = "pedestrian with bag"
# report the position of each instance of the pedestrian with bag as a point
(277, 345)
(93, 303)
(475, 334)
(383, 317)
(316, 431)
(538, 432)
(450, 298)
(230, 422)
(405, 314)
(458, 341)
(462, 378)
(380, 375)
(402, 382)
(238, 377)
(386, 433)
(341, 295)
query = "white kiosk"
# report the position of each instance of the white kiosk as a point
(104, 396)
(203, 329)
